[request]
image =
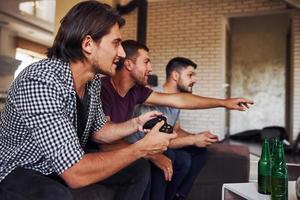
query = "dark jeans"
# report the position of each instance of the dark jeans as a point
(25, 184)
(187, 162)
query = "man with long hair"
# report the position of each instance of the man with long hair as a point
(54, 106)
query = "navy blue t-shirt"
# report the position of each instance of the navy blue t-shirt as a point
(120, 108)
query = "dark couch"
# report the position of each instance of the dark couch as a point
(225, 164)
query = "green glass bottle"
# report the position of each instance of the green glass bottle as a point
(279, 177)
(264, 169)
(274, 146)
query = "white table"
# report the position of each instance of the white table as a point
(233, 191)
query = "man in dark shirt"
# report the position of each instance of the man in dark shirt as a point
(54, 106)
(122, 92)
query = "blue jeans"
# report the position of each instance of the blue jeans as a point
(187, 162)
(198, 158)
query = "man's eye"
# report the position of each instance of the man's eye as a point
(116, 43)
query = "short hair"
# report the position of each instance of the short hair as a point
(177, 64)
(131, 48)
(85, 18)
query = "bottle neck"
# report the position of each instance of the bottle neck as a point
(265, 154)
(279, 154)
(275, 144)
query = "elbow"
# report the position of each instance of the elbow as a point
(72, 180)
(74, 184)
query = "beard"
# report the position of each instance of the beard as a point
(185, 89)
(96, 68)
(139, 79)
(109, 71)
(181, 87)
(140, 82)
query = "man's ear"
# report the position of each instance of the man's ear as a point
(175, 75)
(128, 64)
(87, 44)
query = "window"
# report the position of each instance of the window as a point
(42, 9)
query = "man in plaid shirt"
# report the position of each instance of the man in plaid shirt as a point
(54, 106)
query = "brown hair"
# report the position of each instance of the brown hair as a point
(86, 18)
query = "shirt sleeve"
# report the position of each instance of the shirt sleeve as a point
(42, 107)
(142, 93)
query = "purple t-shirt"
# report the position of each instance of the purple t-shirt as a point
(120, 108)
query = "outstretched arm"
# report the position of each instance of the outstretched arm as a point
(190, 101)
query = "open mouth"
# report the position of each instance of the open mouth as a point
(119, 62)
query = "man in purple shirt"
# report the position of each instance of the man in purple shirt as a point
(121, 93)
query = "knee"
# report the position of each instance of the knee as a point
(200, 153)
(141, 170)
(197, 151)
(183, 161)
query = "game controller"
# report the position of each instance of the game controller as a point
(166, 128)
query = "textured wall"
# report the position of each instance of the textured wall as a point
(196, 29)
(258, 51)
(129, 31)
(296, 64)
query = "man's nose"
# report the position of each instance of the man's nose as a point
(150, 67)
(194, 79)
(121, 52)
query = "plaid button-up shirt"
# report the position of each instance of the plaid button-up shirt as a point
(39, 122)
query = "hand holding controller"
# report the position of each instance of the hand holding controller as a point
(166, 128)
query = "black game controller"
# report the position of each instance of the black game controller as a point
(166, 128)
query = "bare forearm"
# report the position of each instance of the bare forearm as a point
(95, 167)
(180, 142)
(184, 100)
(189, 101)
(111, 132)
(183, 139)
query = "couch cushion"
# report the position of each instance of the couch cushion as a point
(225, 164)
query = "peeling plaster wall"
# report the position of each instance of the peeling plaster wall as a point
(258, 70)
